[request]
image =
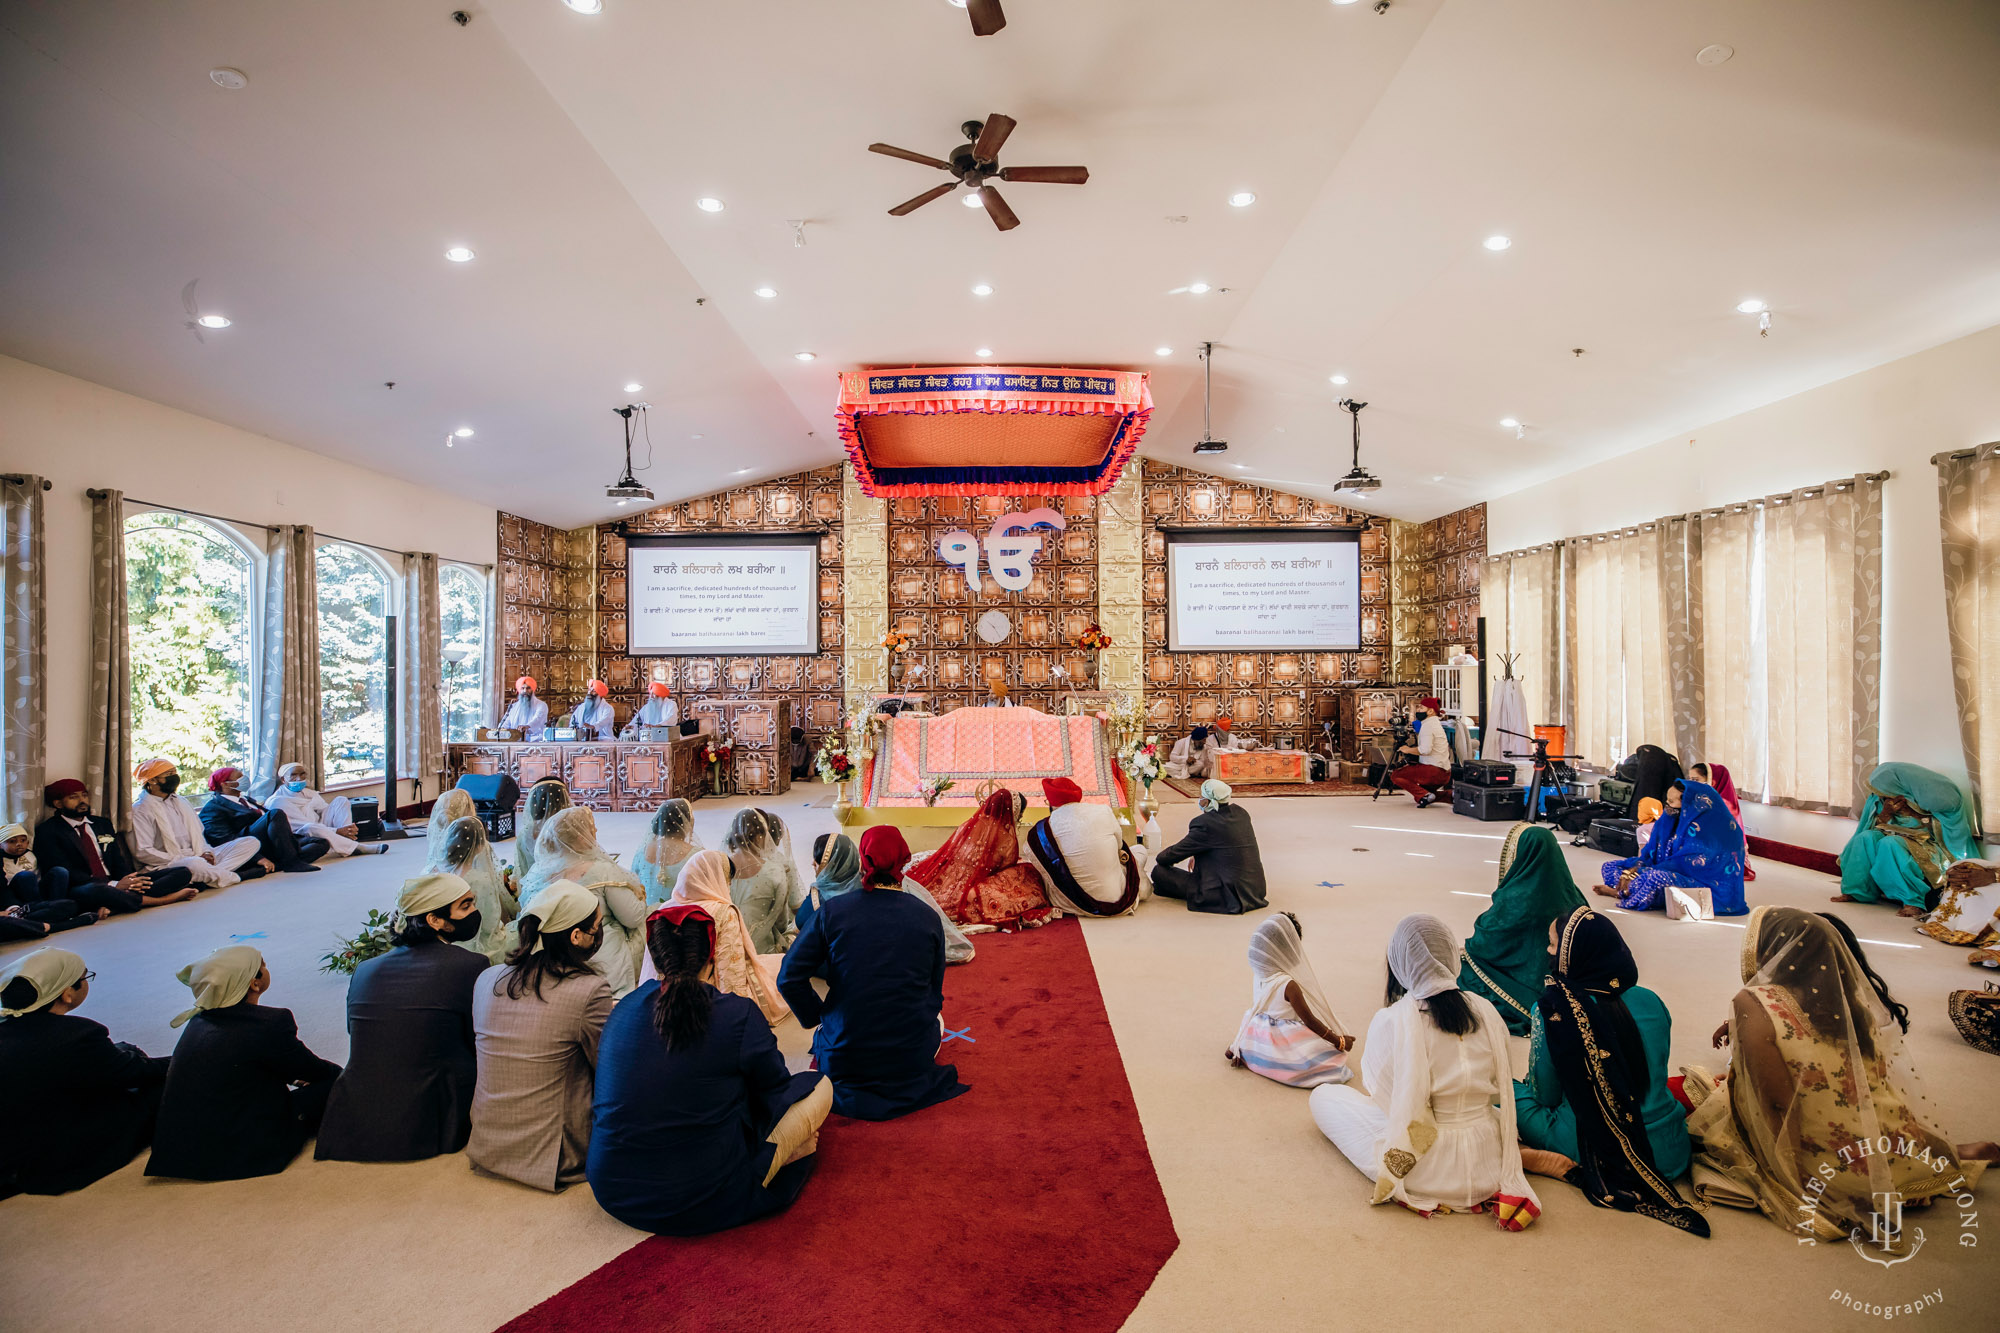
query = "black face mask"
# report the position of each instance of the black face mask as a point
(170, 784)
(464, 928)
(590, 950)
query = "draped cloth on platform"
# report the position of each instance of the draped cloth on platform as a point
(420, 683)
(1969, 507)
(107, 758)
(288, 691)
(24, 628)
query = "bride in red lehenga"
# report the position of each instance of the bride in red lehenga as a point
(978, 876)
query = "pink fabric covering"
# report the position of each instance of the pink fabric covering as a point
(1013, 745)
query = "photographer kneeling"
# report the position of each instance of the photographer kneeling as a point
(1430, 774)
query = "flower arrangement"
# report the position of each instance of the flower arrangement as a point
(1092, 638)
(833, 761)
(1142, 760)
(935, 788)
(718, 751)
(898, 642)
(374, 939)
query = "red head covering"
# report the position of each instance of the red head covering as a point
(675, 913)
(1431, 702)
(1725, 787)
(883, 856)
(1059, 792)
(62, 787)
(658, 689)
(221, 775)
(525, 683)
(599, 688)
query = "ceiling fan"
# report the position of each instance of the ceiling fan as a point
(975, 162)
(1358, 478)
(985, 15)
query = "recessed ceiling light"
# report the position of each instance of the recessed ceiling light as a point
(984, 351)
(1197, 287)
(235, 80)
(1508, 423)
(634, 387)
(971, 199)
(695, 437)
(1242, 199)
(739, 472)
(463, 432)
(621, 504)
(1497, 243)
(587, 7)
(459, 254)
(1163, 351)
(213, 321)
(768, 293)
(956, 4)
(708, 205)
(982, 289)
(1753, 306)
(804, 356)
(1337, 379)
(1343, 2)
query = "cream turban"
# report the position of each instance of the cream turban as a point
(560, 907)
(430, 893)
(219, 980)
(1215, 789)
(12, 831)
(50, 971)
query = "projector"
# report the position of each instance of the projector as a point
(1358, 480)
(628, 489)
(1211, 446)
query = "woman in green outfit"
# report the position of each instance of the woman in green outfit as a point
(1912, 829)
(1507, 958)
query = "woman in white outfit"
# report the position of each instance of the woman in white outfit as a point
(566, 848)
(313, 816)
(1437, 1133)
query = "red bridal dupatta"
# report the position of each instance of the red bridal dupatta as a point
(978, 876)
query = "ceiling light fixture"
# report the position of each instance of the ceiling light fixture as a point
(1163, 351)
(708, 205)
(1520, 431)
(972, 199)
(768, 293)
(805, 356)
(459, 254)
(1242, 199)
(586, 6)
(1337, 379)
(1197, 287)
(1343, 2)
(984, 351)
(463, 432)
(982, 289)
(229, 79)
(213, 321)
(634, 387)
(1497, 243)
(1753, 306)
(1715, 54)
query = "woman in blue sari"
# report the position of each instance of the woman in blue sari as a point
(1912, 828)
(837, 867)
(1696, 844)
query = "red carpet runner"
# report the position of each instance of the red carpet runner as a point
(1028, 1203)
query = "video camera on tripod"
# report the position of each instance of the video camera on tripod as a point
(1402, 732)
(1551, 770)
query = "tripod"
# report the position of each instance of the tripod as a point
(1400, 735)
(1544, 763)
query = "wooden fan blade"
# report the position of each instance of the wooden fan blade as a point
(912, 205)
(986, 17)
(991, 135)
(1047, 175)
(890, 150)
(996, 208)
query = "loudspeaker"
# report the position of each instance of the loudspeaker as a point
(1489, 803)
(494, 796)
(366, 812)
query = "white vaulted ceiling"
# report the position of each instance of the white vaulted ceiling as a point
(1844, 166)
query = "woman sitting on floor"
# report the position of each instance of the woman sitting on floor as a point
(978, 876)
(1912, 828)
(1507, 957)
(739, 968)
(1431, 1135)
(764, 879)
(836, 870)
(882, 953)
(406, 1093)
(546, 799)
(1289, 1034)
(74, 1104)
(1598, 1076)
(1717, 776)
(1692, 866)
(1817, 1061)
(665, 849)
(243, 1092)
(698, 1125)
(1969, 911)
(567, 849)
(463, 850)
(536, 1020)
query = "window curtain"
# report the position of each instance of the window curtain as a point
(1520, 598)
(1681, 623)
(23, 639)
(1823, 642)
(1621, 690)
(1969, 504)
(420, 677)
(107, 760)
(288, 687)
(1494, 594)
(1731, 645)
(493, 688)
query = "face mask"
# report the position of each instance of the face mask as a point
(465, 927)
(590, 950)
(295, 786)
(170, 784)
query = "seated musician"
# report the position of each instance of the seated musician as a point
(529, 715)
(594, 716)
(659, 711)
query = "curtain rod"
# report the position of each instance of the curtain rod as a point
(1955, 456)
(21, 479)
(98, 494)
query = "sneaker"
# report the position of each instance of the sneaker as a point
(375, 848)
(1423, 801)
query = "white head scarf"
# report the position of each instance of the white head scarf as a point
(545, 798)
(49, 971)
(1216, 790)
(219, 980)
(560, 907)
(1278, 957)
(668, 844)
(435, 892)
(454, 804)
(12, 831)
(1423, 953)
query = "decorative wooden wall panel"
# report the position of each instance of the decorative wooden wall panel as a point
(545, 604)
(761, 732)
(1436, 588)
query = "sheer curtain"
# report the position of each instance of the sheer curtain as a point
(288, 693)
(1519, 594)
(1823, 642)
(1732, 701)
(107, 760)
(23, 639)
(1621, 690)
(420, 681)
(1969, 506)
(493, 690)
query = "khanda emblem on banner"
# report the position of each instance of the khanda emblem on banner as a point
(1010, 554)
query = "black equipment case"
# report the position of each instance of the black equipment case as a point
(1619, 837)
(1487, 773)
(494, 796)
(1489, 803)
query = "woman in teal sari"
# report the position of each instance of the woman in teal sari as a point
(1507, 958)
(1912, 829)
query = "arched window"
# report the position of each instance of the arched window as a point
(353, 675)
(462, 630)
(188, 589)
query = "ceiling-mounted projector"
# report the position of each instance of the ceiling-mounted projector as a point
(1207, 445)
(1358, 477)
(627, 487)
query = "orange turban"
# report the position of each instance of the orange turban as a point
(599, 688)
(148, 769)
(526, 683)
(658, 689)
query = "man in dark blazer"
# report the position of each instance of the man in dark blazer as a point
(101, 870)
(1228, 875)
(229, 815)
